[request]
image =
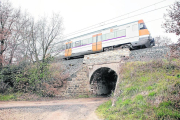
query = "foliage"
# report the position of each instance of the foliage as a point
(83, 96)
(162, 41)
(26, 77)
(31, 77)
(7, 97)
(149, 90)
(172, 19)
(24, 39)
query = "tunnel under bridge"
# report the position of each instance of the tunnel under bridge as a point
(103, 70)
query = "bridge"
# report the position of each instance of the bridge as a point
(98, 74)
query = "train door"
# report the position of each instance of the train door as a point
(68, 50)
(97, 42)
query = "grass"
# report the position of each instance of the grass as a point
(19, 96)
(152, 94)
(7, 97)
(83, 96)
(150, 91)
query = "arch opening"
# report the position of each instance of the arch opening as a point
(103, 81)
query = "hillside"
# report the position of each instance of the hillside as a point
(147, 90)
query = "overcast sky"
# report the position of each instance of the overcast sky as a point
(79, 14)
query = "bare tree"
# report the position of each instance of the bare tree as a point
(44, 34)
(22, 37)
(172, 19)
(162, 41)
(8, 17)
(15, 45)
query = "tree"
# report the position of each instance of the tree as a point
(43, 36)
(172, 19)
(8, 17)
(162, 41)
(15, 45)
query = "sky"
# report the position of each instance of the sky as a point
(80, 14)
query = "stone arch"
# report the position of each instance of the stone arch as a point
(103, 81)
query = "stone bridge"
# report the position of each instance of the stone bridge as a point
(99, 72)
(98, 75)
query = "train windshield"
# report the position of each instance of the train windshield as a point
(142, 26)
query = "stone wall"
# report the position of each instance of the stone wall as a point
(78, 83)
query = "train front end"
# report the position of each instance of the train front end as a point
(145, 38)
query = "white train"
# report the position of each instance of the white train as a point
(133, 35)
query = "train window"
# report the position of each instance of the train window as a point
(90, 40)
(85, 42)
(67, 46)
(77, 43)
(108, 36)
(121, 33)
(115, 34)
(70, 45)
(142, 26)
(111, 35)
(82, 42)
(94, 39)
(134, 27)
(104, 37)
(99, 38)
(73, 44)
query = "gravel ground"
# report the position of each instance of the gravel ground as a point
(72, 109)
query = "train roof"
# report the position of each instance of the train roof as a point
(97, 31)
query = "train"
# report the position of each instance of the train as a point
(133, 35)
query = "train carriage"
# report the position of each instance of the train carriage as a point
(132, 35)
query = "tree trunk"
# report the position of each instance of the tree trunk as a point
(1, 54)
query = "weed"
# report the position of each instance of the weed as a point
(83, 96)
(126, 102)
(178, 76)
(150, 88)
(163, 112)
(152, 94)
(165, 104)
(139, 97)
(7, 97)
(144, 79)
(131, 90)
(103, 109)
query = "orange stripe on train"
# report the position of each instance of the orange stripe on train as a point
(140, 21)
(94, 35)
(143, 32)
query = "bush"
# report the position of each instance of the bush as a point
(26, 77)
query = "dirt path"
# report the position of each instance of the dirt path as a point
(72, 109)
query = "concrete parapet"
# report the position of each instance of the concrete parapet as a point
(106, 57)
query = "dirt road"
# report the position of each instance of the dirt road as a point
(72, 109)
